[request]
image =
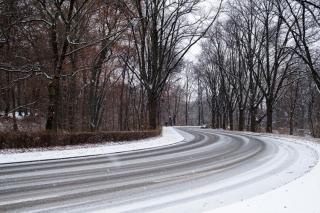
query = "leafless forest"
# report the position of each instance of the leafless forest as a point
(102, 65)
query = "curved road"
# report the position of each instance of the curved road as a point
(209, 169)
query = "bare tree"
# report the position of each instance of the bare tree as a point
(275, 59)
(302, 20)
(110, 28)
(163, 35)
(188, 90)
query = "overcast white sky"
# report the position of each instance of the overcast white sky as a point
(193, 53)
(208, 5)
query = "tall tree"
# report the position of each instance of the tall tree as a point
(303, 22)
(164, 34)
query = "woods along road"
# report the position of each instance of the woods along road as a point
(209, 169)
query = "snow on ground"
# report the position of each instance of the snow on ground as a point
(10, 115)
(169, 136)
(300, 195)
(296, 196)
(277, 182)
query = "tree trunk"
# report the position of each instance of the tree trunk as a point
(53, 108)
(143, 121)
(7, 95)
(186, 111)
(310, 114)
(152, 110)
(253, 120)
(231, 119)
(129, 94)
(218, 120)
(269, 115)
(224, 120)
(85, 109)
(241, 119)
(186, 96)
(291, 124)
(26, 111)
(19, 99)
(121, 101)
(213, 125)
(199, 112)
(15, 126)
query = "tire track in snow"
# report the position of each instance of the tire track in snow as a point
(212, 163)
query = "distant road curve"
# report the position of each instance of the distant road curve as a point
(210, 169)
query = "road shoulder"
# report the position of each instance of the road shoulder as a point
(169, 136)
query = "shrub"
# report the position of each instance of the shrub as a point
(27, 140)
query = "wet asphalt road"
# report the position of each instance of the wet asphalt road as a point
(114, 181)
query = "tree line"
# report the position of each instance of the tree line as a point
(121, 65)
(94, 64)
(260, 62)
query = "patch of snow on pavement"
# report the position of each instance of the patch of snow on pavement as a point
(169, 136)
(250, 191)
(300, 195)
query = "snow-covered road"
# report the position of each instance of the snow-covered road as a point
(210, 171)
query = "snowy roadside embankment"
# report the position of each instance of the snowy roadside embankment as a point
(300, 195)
(169, 136)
